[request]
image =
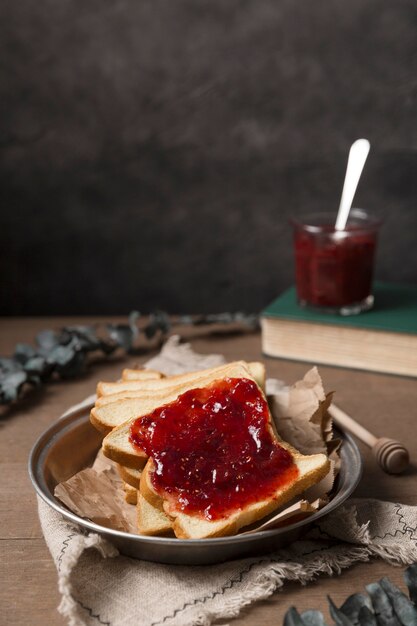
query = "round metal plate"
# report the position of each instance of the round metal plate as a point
(71, 444)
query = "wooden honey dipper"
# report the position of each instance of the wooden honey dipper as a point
(390, 454)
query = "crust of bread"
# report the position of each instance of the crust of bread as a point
(146, 487)
(132, 459)
(151, 521)
(129, 475)
(131, 494)
(256, 369)
(110, 416)
(98, 424)
(124, 395)
(141, 374)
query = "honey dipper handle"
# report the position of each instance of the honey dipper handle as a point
(391, 455)
(349, 424)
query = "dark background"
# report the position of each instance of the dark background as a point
(153, 150)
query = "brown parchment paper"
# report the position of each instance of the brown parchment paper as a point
(301, 419)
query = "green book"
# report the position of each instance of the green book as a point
(383, 339)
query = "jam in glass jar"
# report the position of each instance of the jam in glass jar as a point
(334, 269)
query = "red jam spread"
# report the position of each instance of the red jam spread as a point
(213, 449)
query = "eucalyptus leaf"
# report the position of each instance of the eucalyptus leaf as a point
(34, 380)
(9, 365)
(47, 339)
(403, 608)
(217, 318)
(366, 617)
(61, 356)
(159, 322)
(37, 365)
(87, 339)
(88, 332)
(133, 320)
(353, 605)
(11, 384)
(185, 319)
(313, 618)
(410, 577)
(107, 347)
(122, 335)
(250, 320)
(74, 367)
(339, 617)
(382, 606)
(23, 352)
(293, 618)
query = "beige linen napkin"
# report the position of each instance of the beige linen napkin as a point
(99, 586)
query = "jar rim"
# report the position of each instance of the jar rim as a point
(316, 222)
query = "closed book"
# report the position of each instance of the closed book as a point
(383, 339)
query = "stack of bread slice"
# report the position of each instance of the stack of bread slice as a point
(139, 394)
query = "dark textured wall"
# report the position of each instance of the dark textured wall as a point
(153, 150)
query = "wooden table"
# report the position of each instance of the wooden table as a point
(28, 591)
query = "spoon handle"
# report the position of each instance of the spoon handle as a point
(358, 153)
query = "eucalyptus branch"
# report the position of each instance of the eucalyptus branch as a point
(383, 605)
(64, 353)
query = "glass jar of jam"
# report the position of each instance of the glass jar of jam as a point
(334, 269)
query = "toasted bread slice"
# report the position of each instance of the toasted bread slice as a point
(256, 369)
(141, 374)
(311, 470)
(110, 416)
(131, 494)
(151, 521)
(129, 475)
(124, 395)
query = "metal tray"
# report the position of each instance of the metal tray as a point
(71, 444)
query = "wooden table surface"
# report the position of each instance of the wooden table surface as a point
(387, 405)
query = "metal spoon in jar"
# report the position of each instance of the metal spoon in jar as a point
(358, 153)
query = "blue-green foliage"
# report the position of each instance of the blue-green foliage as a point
(383, 605)
(64, 353)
